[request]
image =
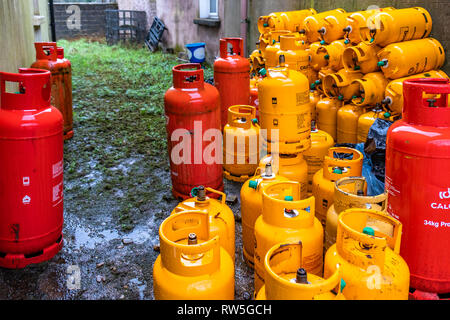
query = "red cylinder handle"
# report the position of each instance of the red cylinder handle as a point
(185, 77)
(43, 47)
(237, 47)
(425, 102)
(36, 87)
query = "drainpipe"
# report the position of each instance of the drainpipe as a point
(52, 19)
(244, 24)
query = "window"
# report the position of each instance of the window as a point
(209, 9)
(213, 10)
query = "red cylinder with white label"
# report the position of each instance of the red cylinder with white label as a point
(31, 170)
(418, 182)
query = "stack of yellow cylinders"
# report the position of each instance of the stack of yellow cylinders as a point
(240, 143)
(287, 217)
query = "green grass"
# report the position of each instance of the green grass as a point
(118, 100)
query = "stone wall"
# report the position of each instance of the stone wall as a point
(81, 19)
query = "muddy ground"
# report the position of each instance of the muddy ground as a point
(117, 182)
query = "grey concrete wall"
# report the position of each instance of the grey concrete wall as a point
(439, 10)
(92, 18)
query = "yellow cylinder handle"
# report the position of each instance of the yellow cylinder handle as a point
(283, 207)
(287, 258)
(188, 259)
(291, 42)
(336, 168)
(241, 116)
(359, 240)
(344, 199)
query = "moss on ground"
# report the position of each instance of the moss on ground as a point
(120, 139)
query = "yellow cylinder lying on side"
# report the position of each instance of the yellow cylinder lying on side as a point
(371, 89)
(340, 84)
(288, 20)
(361, 57)
(394, 89)
(386, 27)
(403, 59)
(325, 19)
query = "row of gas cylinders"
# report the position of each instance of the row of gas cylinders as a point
(362, 261)
(35, 119)
(191, 100)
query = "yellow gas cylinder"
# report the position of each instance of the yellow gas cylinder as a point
(240, 143)
(339, 163)
(291, 166)
(320, 143)
(350, 192)
(286, 279)
(251, 207)
(287, 218)
(332, 54)
(366, 120)
(347, 123)
(326, 115)
(326, 26)
(367, 249)
(398, 25)
(192, 265)
(293, 48)
(288, 20)
(371, 89)
(271, 50)
(318, 84)
(221, 218)
(284, 110)
(361, 57)
(394, 89)
(314, 97)
(256, 59)
(357, 19)
(403, 59)
(317, 60)
(254, 91)
(340, 84)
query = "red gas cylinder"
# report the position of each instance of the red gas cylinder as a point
(50, 57)
(31, 171)
(193, 131)
(418, 182)
(232, 76)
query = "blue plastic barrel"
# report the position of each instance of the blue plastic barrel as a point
(196, 52)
